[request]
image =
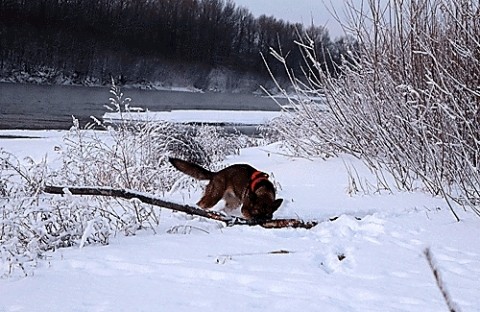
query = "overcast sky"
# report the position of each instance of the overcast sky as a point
(298, 11)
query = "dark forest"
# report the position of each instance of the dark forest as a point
(145, 40)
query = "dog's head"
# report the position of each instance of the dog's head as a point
(260, 207)
(260, 203)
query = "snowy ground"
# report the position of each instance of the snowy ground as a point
(369, 259)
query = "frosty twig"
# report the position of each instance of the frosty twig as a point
(452, 307)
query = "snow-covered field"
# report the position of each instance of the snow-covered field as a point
(369, 259)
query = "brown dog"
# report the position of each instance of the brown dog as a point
(238, 185)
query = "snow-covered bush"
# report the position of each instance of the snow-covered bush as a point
(31, 224)
(19, 187)
(407, 103)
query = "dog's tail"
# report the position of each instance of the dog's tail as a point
(191, 169)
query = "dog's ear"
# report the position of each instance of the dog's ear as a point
(276, 204)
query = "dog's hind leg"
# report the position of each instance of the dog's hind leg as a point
(211, 196)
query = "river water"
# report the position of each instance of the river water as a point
(35, 107)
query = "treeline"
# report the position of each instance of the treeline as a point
(99, 38)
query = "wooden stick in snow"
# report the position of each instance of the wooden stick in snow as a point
(148, 199)
(452, 306)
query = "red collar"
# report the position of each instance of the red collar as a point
(256, 178)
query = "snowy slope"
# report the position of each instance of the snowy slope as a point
(369, 259)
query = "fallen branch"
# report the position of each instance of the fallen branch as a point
(275, 223)
(148, 199)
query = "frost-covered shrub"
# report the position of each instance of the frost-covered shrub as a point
(406, 103)
(15, 247)
(31, 224)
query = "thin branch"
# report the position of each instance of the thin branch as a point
(452, 307)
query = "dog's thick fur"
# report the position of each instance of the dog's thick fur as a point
(238, 184)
